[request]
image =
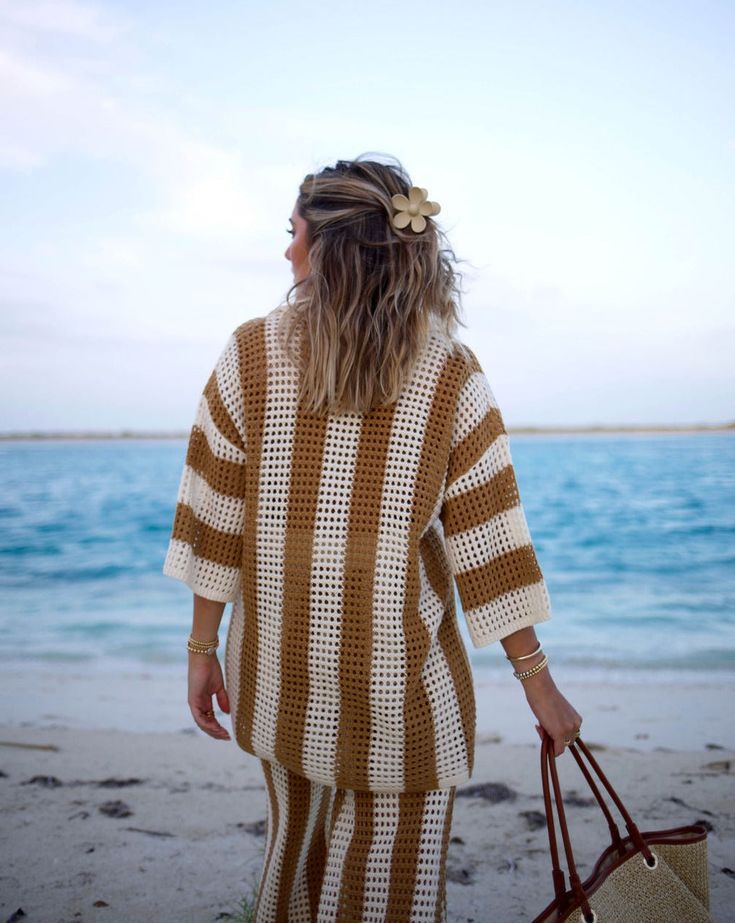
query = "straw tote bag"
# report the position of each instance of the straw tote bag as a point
(659, 876)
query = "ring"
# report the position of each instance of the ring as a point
(208, 714)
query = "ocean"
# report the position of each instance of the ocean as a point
(635, 535)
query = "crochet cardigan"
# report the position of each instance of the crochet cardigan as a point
(339, 540)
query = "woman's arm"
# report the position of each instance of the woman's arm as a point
(205, 673)
(555, 714)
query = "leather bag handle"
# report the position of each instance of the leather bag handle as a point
(548, 768)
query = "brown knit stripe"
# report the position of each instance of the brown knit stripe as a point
(353, 745)
(503, 574)
(420, 770)
(479, 504)
(404, 858)
(253, 371)
(452, 645)
(442, 894)
(474, 445)
(352, 887)
(297, 818)
(220, 414)
(222, 475)
(307, 453)
(219, 547)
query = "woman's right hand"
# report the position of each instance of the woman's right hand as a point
(555, 714)
(205, 684)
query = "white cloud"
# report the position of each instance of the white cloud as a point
(65, 17)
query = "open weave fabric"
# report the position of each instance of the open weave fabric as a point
(339, 856)
(339, 539)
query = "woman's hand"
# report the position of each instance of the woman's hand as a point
(556, 716)
(205, 681)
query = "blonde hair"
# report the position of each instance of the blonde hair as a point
(364, 313)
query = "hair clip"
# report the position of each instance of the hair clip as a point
(413, 209)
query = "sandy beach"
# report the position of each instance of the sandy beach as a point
(118, 825)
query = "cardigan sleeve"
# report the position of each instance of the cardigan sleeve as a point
(488, 543)
(205, 546)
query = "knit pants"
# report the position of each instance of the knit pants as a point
(334, 855)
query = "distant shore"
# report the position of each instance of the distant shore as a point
(653, 428)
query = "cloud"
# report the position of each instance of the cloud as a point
(89, 107)
(64, 17)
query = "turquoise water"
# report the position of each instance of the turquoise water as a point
(635, 535)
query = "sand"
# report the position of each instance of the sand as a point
(168, 825)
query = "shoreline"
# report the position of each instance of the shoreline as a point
(135, 435)
(618, 710)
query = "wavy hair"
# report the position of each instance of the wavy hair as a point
(356, 325)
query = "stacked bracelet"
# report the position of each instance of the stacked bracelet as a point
(525, 656)
(201, 647)
(534, 670)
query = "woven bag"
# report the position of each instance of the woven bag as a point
(659, 876)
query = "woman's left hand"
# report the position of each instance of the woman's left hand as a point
(205, 681)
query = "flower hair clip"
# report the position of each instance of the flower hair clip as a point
(413, 209)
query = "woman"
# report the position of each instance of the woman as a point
(348, 467)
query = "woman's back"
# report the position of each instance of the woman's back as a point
(338, 537)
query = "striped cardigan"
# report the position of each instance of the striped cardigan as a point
(339, 540)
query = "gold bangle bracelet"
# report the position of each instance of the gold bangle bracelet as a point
(533, 671)
(525, 656)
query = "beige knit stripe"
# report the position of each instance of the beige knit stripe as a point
(447, 719)
(527, 605)
(396, 657)
(474, 399)
(341, 827)
(274, 490)
(219, 442)
(224, 476)
(502, 534)
(352, 892)
(253, 370)
(478, 504)
(233, 646)
(273, 826)
(331, 533)
(216, 510)
(495, 459)
(228, 378)
(379, 861)
(477, 425)
(219, 413)
(429, 893)
(308, 453)
(404, 856)
(208, 544)
(204, 577)
(353, 745)
(474, 445)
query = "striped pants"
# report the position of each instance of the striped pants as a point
(334, 855)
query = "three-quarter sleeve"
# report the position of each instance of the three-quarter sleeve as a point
(205, 547)
(488, 542)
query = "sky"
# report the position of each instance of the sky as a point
(583, 154)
